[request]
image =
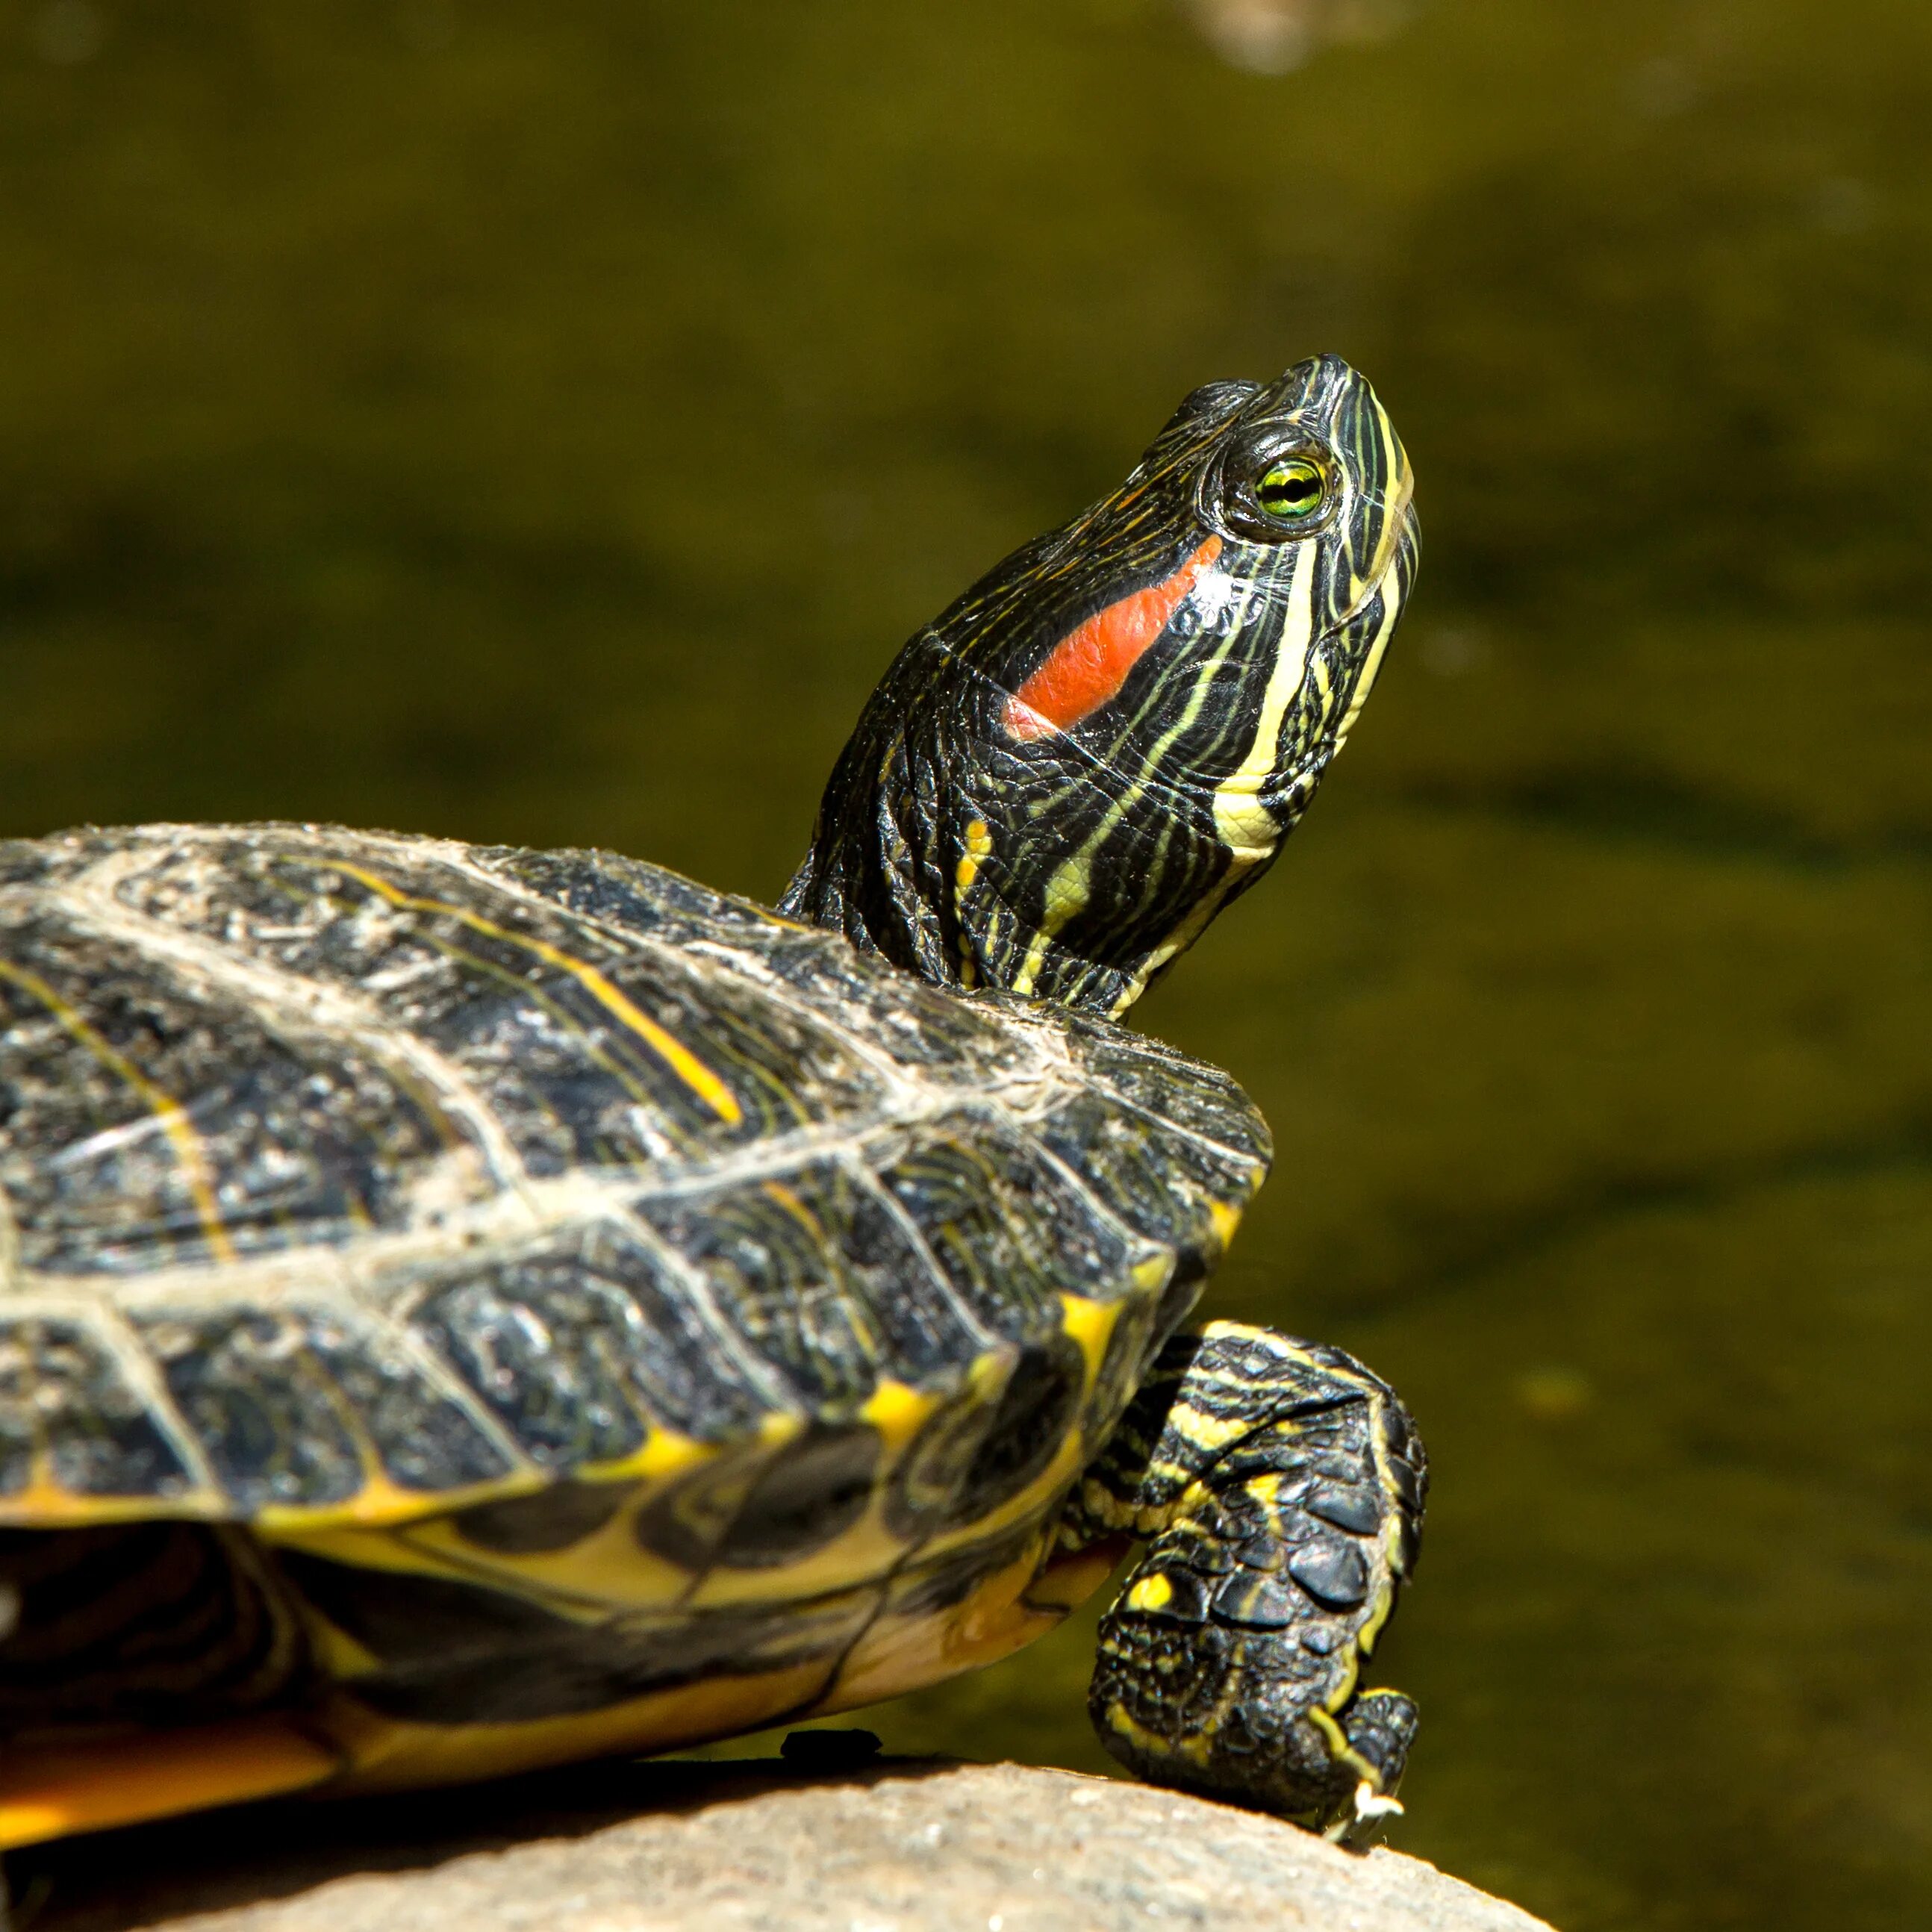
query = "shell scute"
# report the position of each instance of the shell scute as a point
(1165, 1183)
(308, 1406)
(75, 1424)
(948, 1039)
(1159, 1080)
(147, 1119)
(594, 1045)
(636, 897)
(1011, 1231)
(898, 1017)
(578, 1343)
(815, 1271)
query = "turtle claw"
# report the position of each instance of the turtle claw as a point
(1377, 1731)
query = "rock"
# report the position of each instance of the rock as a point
(900, 1845)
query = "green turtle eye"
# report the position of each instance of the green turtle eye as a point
(1293, 489)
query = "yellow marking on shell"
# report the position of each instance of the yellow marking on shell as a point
(1091, 1324)
(665, 1453)
(1151, 1593)
(868, 1548)
(1225, 1218)
(43, 1503)
(1051, 1483)
(190, 1157)
(341, 1658)
(606, 1570)
(898, 1412)
(406, 1549)
(675, 1054)
(381, 1501)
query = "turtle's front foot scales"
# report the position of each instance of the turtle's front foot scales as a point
(1279, 1486)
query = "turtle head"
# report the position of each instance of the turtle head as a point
(1062, 779)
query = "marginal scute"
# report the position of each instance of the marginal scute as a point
(75, 1656)
(1158, 1080)
(819, 1276)
(1008, 1228)
(303, 1407)
(576, 1341)
(687, 1522)
(255, 1406)
(1131, 1343)
(1164, 1182)
(450, 1652)
(937, 1584)
(71, 1420)
(931, 1477)
(409, 1620)
(1038, 1405)
(763, 1505)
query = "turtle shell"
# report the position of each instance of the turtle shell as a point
(347, 1179)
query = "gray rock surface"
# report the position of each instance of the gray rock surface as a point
(899, 1846)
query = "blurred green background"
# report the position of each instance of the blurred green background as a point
(543, 424)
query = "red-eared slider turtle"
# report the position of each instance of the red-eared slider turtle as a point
(463, 1309)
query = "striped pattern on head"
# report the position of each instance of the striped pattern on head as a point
(1061, 780)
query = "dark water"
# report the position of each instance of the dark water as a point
(543, 424)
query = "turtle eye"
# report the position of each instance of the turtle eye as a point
(1292, 489)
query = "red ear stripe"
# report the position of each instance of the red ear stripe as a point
(1089, 665)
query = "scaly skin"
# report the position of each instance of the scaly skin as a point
(1279, 1486)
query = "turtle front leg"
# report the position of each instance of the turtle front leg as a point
(1279, 1487)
